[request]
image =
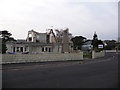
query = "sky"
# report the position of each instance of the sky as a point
(82, 17)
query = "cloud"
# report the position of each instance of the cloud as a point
(81, 17)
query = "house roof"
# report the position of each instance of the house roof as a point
(30, 43)
(88, 42)
(21, 40)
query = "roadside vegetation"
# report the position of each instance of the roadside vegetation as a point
(87, 55)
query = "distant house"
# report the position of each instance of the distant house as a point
(42, 43)
(87, 45)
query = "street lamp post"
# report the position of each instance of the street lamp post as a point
(117, 47)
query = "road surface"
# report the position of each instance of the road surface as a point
(96, 73)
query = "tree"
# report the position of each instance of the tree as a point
(96, 42)
(95, 37)
(5, 36)
(111, 44)
(78, 41)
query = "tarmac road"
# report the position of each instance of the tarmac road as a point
(96, 73)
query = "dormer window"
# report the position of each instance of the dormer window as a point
(30, 39)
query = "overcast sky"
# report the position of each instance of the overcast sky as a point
(82, 17)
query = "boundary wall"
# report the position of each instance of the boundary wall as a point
(98, 54)
(22, 58)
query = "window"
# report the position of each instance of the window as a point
(17, 49)
(13, 49)
(43, 49)
(46, 49)
(21, 49)
(49, 49)
(30, 39)
(25, 49)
